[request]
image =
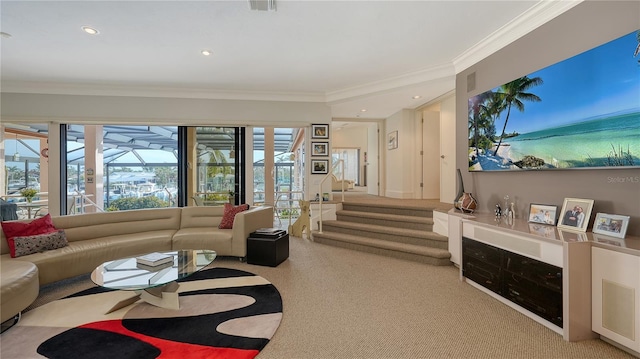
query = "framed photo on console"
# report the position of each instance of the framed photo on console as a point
(543, 214)
(575, 214)
(611, 225)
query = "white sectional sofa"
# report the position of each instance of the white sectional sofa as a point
(98, 237)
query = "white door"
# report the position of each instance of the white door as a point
(372, 162)
(431, 154)
(448, 150)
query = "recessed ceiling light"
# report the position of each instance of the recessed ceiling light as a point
(90, 30)
(416, 97)
(206, 52)
(5, 35)
(363, 110)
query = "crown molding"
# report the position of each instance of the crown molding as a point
(392, 83)
(55, 88)
(539, 14)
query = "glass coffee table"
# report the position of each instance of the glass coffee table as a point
(155, 285)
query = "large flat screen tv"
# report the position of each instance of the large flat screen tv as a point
(583, 112)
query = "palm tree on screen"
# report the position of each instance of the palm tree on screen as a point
(475, 114)
(494, 106)
(513, 94)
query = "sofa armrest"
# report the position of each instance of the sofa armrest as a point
(247, 222)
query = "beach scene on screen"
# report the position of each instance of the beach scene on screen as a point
(582, 112)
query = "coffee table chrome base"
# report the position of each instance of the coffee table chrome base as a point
(165, 296)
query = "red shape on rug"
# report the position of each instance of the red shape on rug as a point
(170, 349)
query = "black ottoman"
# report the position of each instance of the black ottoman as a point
(267, 249)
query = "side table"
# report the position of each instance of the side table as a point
(268, 249)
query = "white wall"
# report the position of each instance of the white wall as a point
(400, 168)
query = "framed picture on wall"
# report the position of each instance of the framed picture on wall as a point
(320, 131)
(319, 148)
(392, 140)
(575, 214)
(319, 167)
(611, 225)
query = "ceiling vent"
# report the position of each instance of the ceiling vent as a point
(263, 5)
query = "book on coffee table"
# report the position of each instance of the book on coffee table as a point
(156, 267)
(154, 259)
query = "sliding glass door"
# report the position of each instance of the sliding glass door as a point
(275, 171)
(219, 172)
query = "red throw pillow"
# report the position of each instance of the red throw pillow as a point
(229, 215)
(42, 225)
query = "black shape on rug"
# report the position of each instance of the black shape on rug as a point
(82, 343)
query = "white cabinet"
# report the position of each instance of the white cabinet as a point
(455, 238)
(454, 232)
(440, 226)
(616, 296)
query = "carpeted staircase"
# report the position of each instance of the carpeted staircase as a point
(400, 231)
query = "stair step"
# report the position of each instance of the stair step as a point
(422, 254)
(415, 211)
(400, 235)
(386, 219)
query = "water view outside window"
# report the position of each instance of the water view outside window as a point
(138, 169)
(285, 192)
(216, 169)
(25, 164)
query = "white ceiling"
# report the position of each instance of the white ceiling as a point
(353, 55)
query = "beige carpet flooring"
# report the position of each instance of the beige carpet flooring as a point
(340, 303)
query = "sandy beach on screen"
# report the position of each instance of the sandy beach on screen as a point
(490, 162)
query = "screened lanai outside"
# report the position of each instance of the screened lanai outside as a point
(278, 175)
(24, 166)
(114, 167)
(219, 158)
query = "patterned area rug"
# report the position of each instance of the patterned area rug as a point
(224, 313)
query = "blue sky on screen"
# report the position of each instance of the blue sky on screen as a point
(601, 81)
